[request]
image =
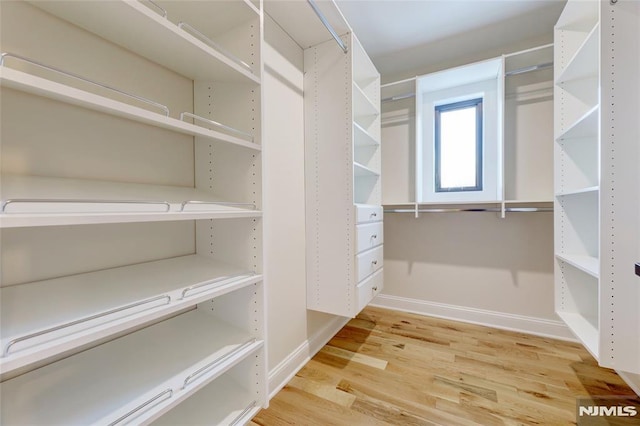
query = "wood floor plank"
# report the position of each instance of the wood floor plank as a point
(328, 392)
(380, 364)
(392, 368)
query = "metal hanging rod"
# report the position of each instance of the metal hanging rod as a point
(507, 74)
(399, 97)
(86, 80)
(529, 69)
(328, 26)
(482, 209)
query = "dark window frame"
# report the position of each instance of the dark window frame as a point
(477, 104)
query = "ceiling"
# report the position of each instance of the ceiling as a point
(406, 36)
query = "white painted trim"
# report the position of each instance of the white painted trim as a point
(633, 380)
(280, 375)
(520, 323)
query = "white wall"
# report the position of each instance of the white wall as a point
(294, 332)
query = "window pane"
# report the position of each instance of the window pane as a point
(458, 148)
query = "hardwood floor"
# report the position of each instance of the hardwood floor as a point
(392, 368)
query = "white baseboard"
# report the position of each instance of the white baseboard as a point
(531, 325)
(633, 380)
(288, 367)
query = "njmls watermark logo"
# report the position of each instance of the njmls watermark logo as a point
(608, 410)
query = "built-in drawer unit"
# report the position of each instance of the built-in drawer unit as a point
(369, 288)
(368, 213)
(369, 262)
(368, 236)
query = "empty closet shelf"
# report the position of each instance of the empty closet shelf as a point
(588, 264)
(364, 171)
(361, 137)
(31, 200)
(583, 326)
(593, 190)
(584, 63)
(235, 405)
(131, 379)
(156, 116)
(362, 105)
(144, 29)
(47, 317)
(584, 127)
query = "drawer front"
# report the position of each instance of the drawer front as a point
(366, 213)
(369, 288)
(368, 236)
(368, 262)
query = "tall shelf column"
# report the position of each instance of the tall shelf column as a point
(596, 178)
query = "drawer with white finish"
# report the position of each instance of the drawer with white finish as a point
(369, 288)
(368, 262)
(368, 236)
(368, 213)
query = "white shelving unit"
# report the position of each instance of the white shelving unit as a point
(344, 213)
(596, 194)
(577, 175)
(131, 211)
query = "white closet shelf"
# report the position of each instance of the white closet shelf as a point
(25, 82)
(136, 27)
(579, 16)
(584, 63)
(579, 191)
(42, 201)
(362, 137)
(583, 127)
(407, 204)
(362, 105)
(100, 386)
(456, 203)
(46, 318)
(588, 264)
(584, 330)
(364, 71)
(528, 201)
(217, 18)
(363, 171)
(234, 405)
(366, 82)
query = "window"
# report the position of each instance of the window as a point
(458, 146)
(459, 134)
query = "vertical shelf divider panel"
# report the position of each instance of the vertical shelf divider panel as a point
(597, 202)
(619, 192)
(174, 325)
(343, 165)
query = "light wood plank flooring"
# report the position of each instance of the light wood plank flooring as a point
(391, 368)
